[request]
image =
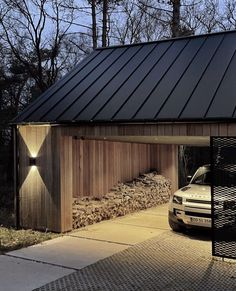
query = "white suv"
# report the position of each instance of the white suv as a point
(190, 206)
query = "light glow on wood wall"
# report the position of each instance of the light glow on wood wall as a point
(35, 141)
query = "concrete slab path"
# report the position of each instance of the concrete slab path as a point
(69, 252)
(32, 267)
(23, 275)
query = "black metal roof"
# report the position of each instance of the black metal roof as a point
(191, 78)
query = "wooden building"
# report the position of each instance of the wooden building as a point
(122, 111)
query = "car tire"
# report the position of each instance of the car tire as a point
(175, 226)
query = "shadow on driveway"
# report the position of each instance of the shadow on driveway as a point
(197, 234)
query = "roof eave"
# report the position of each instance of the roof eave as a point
(128, 122)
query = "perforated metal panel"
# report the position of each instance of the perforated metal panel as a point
(224, 196)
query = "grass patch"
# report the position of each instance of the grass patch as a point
(11, 239)
(7, 217)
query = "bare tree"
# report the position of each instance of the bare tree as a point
(104, 22)
(101, 11)
(189, 17)
(127, 27)
(136, 22)
(228, 19)
(169, 15)
(26, 32)
(94, 24)
(208, 16)
(175, 20)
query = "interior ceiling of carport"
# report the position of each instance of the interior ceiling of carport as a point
(191, 78)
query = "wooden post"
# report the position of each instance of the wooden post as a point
(16, 177)
(66, 178)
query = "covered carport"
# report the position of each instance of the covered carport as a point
(140, 101)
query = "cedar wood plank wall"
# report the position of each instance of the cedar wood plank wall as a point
(38, 205)
(99, 165)
(46, 192)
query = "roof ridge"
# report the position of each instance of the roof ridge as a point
(168, 39)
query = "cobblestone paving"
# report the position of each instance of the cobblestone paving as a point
(167, 262)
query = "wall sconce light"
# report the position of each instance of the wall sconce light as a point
(32, 161)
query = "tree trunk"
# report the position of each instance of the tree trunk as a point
(175, 24)
(94, 24)
(104, 23)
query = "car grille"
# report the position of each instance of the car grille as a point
(198, 201)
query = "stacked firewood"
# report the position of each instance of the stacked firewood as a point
(146, 191)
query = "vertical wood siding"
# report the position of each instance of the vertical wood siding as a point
(35, 186)
(166, 161)
(99, 165)
(45, 190)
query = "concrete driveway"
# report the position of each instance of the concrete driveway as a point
(166, 262)
(37, 265)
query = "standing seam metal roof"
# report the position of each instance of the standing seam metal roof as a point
(191, 78)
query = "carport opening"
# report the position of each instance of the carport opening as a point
(109, 181)
(98, 163)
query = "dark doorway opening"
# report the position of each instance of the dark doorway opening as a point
(190, 159)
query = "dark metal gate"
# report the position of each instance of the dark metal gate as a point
(223, 196)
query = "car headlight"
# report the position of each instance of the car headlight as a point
(177, 199)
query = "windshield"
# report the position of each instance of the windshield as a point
(202, 177)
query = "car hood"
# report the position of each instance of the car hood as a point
(193, 191)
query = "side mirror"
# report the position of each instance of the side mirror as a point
(189, 178)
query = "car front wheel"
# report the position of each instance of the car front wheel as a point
(175, 226)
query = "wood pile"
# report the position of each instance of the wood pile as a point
(146, 191)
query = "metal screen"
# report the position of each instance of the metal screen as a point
(223, 196)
